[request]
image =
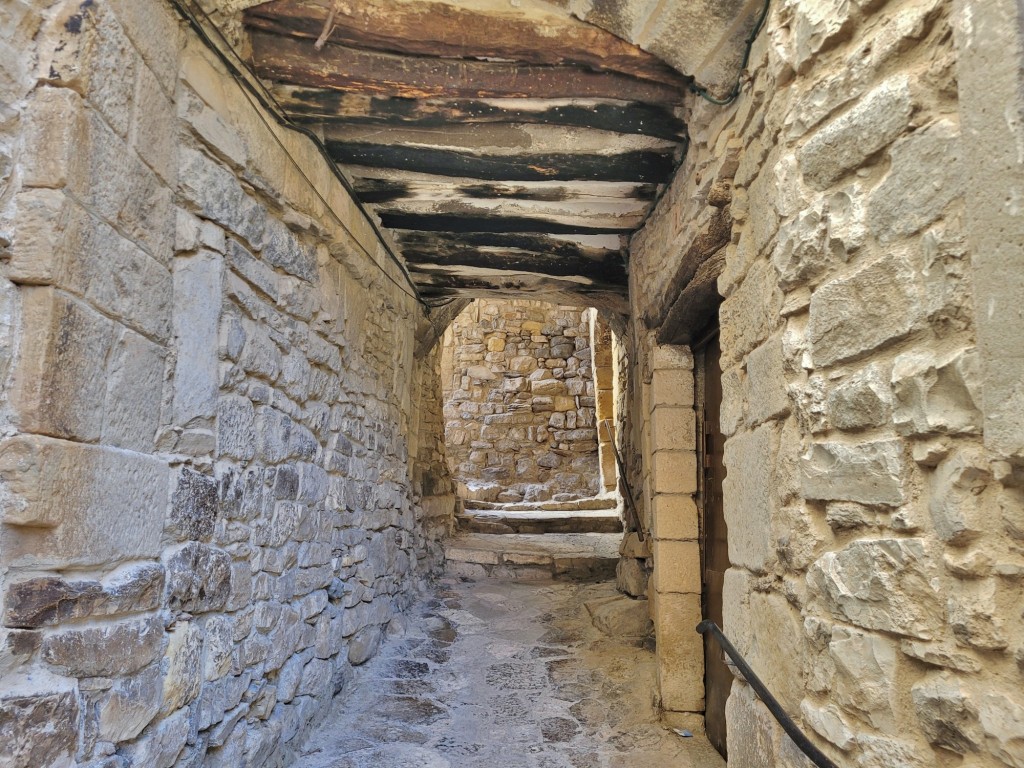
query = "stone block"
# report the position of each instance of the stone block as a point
(69, 504)
(959, 511)
(674, 517)
(39, 730)
(631, 577)
(673, 429)
(867, 473)
(283, 249)
(751, 733)
(865, 676)
(767, 390)
(219, 196)
(674, 472)
(850, 140)
(750, 494)
(106, 651)
(671, 387)
(620, 617)
(52, 600)
(924, 178)
(236, 427)
(850, 315)
(680, 652)
(198, 578)
(60, 376)
(183, 662)
(768, 631)
(193, 505)
(128, 706)
(161, 744)
(937, 393)
(886, 584)
(862, 401)
(750, 313)
(677, 566)
(55, 127)
(947, 713)
(197, 305)
(131, 407)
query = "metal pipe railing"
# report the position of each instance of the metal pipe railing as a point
(814, 754)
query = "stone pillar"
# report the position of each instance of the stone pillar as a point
(673, 512)
(601, 344)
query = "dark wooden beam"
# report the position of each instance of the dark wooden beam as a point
(295, 60)
(609, 272)
(641, 166)
(436, 29)
(383, 190)
(695, 309)
(446, 244)
(323, 105)
(456, 222)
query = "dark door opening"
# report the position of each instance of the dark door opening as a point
(714, 536)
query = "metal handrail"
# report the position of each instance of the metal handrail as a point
(814, 754)
(628, 492)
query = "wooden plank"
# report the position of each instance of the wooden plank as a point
(523, 215)
(451, 243)
(610, 272)
(641, 166)
(457, 222)
(383, 190)
(524, 32)
(324, 105)
(296, 61)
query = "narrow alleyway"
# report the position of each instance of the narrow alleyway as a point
(504, 675)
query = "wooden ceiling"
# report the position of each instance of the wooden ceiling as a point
(507, 147)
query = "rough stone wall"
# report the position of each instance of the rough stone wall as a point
(520, 402)
(874, 504)
(214, 496)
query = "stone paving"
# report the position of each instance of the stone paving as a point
(503, 675)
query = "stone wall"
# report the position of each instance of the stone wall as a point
(873, 494)
(215, 493)
(520, 401)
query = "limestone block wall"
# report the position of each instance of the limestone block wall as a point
(873, 494)
(520, 401)
(214, 493)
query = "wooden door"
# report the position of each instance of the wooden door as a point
(714, 538)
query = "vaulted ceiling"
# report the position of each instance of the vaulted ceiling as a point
(507, 145)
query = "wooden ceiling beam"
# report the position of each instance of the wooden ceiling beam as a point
(639, 166)
(329, 107)
(297, 61)
(532, 35)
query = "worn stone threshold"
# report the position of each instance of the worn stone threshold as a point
(501, 521)
(576, 505)
(580, 556)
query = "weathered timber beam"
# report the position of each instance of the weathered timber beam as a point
(324, 105)
(383, 190)
(523, 215)
(696, 307)
(295, 60)
(610, 272)
(715, 234)
(531, 33)
(454, 222)
(641, 166)
(449, 243)
(498, 138)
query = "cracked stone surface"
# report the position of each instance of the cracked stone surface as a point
(503, 674)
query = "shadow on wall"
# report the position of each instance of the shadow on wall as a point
(519, 402)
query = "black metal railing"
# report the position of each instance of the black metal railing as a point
(814, 754)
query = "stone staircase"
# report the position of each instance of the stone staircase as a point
(576, 540)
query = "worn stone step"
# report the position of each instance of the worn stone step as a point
(576, 505)
(503, 521)
(520, 556)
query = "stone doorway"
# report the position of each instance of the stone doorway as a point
(526, 386)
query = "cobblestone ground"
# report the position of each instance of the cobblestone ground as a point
(503, 675)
